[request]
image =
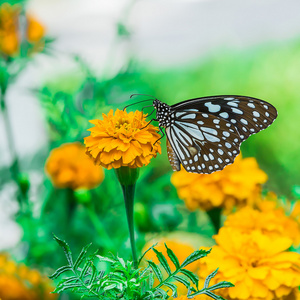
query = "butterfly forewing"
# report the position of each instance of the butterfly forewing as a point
(202, 142)
(248, 115)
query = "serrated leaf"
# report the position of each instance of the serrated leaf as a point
(151, 280)
(162, 261)
(85, 269)
(122, 262)
(66, 249)
(62, 288)
(93, 275)
(105, 259)
(194, 256)
(182, 280)
(162, 293)
(209, 277)
(156, 270)
(145, 253)
(193, 277)
(214, 296)
(173, 288)
(81, 256)
(109, 287)
(143, 272)
(173, 257)
(60, 271)
(220, 285)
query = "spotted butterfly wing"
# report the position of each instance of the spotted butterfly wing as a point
(204, 134)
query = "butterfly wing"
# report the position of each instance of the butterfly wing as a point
(203, 143)
(248, 115)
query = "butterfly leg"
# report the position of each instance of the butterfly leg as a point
(163, 134)
(148, 123)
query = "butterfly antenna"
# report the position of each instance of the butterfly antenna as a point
(136, 103)
(142, 95)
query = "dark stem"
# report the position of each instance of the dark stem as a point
(215, 217)
(128, 192)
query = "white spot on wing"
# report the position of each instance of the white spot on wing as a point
(224, 115)
(189, 116)
(212, 107)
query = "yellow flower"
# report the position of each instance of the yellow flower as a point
(18, 282)
(35, 30)
(237, 185)
(122, 139)
(11, 33)
(69, 167)
(9, 20)
(257, 264)
(268, 219)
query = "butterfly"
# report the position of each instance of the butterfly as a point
(204, 134)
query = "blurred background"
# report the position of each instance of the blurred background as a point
(85, 57)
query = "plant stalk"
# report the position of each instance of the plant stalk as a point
(128, 192)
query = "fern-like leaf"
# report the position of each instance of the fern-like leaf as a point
(162, 261)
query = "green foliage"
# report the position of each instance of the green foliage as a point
(113, 278)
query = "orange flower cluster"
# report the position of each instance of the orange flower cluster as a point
(68, 166)
(252, 253)
(268, 219)
(122, 139)
(238, 184)
(10, 31)
(18, 282)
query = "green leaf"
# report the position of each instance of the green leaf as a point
(62, 288)
(156, 270)
(220, 285)
(145, 253)
(173, 288)
(109, 287)
(214, 296)
(151, 280)
(81, 256)
(66, 249)
(195, 256)
(93, 275)
(193, 277)
(173, 257)
(162, 261)
(105, 259)
(143, 272)
(162, 293)
(60, 271)
(85, 269)
(182, 280)
(209, 277)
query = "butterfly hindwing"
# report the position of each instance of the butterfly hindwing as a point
(248, 115)
(203, 143)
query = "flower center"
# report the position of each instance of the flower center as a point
(122, 123)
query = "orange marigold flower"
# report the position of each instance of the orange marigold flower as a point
(9, 23)
(18, 282)
(257, 264)
(11, 37)
(122, 139)
(269, 219)
(35, 30)
(237, 185)
(69, 167)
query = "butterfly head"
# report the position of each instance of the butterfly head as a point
(163, 111)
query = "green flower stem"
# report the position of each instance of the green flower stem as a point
(127, 178)
(215, 217)
(109, 245)
(128, 192)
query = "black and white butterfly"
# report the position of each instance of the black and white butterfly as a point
(204, 134)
